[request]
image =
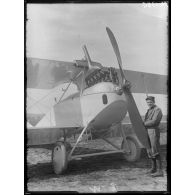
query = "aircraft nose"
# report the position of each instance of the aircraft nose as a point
(114, 112)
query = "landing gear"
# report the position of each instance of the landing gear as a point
(60, 157)
(135, 150)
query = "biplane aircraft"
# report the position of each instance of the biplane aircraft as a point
(92, 99)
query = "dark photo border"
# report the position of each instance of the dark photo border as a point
(168, 87)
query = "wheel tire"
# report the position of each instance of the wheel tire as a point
(60, 158)
(135, 153)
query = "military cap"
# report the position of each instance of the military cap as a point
(152, 98)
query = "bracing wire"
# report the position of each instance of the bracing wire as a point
(64, 91)
(69, 86)
(39, 101)
(49, 119)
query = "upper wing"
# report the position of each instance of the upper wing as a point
(47, 74)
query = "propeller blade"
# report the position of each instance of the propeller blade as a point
(116, 51)
(134, 115)
(136, 120)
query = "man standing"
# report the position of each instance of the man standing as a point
(151, 122)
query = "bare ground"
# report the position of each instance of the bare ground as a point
(106, 173)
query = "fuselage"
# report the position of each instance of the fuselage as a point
(100, 105)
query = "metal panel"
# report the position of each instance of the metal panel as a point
(68, 113)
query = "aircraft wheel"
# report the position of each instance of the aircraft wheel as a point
(60, 158)
(135, 153)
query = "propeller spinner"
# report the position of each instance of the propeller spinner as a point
(134, 115)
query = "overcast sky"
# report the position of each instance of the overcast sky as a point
(58, 32)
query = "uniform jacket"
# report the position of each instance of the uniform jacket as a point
(153, 117)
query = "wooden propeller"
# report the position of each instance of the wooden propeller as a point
(134, 114)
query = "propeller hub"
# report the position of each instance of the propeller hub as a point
(118, 90)
(126, 85)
